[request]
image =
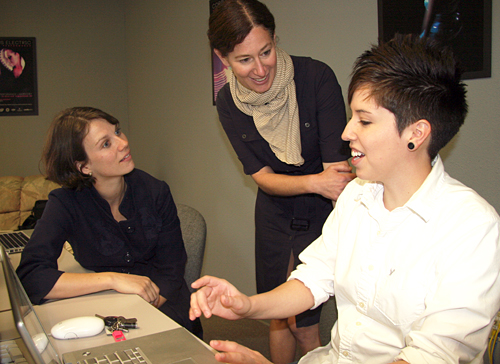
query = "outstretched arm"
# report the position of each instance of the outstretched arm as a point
(218, 297)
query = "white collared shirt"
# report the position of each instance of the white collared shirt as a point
(419, 283)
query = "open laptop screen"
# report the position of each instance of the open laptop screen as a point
(27, 323)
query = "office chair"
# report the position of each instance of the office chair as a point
(327, 319)
(194, 233)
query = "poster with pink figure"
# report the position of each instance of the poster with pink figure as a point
(18, 81)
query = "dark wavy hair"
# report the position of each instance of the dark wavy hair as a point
(63, 150)
(414, 78)
(232, 20)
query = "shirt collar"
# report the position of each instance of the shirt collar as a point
(423, 200)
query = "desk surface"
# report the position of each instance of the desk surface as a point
(107, 303)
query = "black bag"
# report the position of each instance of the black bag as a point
(36, 214)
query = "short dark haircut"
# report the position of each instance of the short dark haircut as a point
(232, 20)
(414, 78)
(64, 149)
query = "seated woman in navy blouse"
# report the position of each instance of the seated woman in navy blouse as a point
(121, 222)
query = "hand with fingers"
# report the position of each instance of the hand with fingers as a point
(332, 181)
(218, 297)
(140, 285)
(231, 352)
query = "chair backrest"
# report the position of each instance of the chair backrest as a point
(328, 318)
(194, 234)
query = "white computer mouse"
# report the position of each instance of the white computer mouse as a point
(40, 341)
(77, 327)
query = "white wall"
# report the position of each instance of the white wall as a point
(148, 63)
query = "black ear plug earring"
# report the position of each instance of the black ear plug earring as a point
(411, 146)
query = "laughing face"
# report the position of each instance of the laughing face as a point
(377, 148)
(107, 150)
(253, 61)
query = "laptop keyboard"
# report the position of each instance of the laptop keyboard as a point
(14, 242)
(129, 356)
(10, 353)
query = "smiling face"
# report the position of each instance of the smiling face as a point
(107, 150)
(253, 61)
(377, 148)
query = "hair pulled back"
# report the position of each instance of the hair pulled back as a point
(232, 20)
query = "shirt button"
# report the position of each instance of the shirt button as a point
(361, 304)
(345, 353)
(358, 323)
(128, 257)
(130, 229)
(307, 125)
(379, 233)
(371, 267)
(244, 136)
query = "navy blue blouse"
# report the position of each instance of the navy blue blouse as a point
(148, 243)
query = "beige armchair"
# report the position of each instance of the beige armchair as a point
(18, 196)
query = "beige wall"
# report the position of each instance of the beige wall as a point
(81, 61)
(148, 63)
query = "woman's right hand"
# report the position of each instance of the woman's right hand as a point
(218, 297)
(331, 182)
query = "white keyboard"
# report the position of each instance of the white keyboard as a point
(10, 353)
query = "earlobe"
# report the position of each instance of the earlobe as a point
(421, 131)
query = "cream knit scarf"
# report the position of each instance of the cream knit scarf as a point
(275, 112)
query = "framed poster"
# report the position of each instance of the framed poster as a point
(219, 78)
(464, 25)
(18, 81)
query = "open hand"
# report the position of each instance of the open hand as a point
(217, 296)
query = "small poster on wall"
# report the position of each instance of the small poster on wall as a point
(463, 25)
(18, 81)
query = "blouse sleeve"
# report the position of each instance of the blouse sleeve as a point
(38, 270)
(331, 116)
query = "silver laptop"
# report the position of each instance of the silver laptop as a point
(15, 242)
(25, 319)
(168, 347)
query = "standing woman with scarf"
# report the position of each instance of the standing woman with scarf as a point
(284, 117)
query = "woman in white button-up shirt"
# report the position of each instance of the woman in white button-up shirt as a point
(411, 254)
